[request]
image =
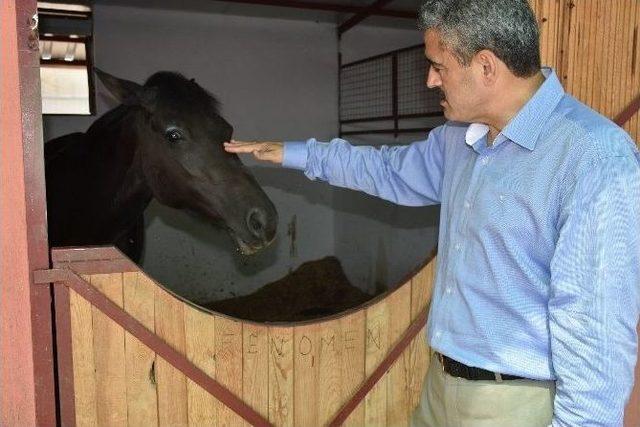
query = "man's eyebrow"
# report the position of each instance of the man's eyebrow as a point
(431, 61)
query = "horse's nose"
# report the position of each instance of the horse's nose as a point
(257, 222)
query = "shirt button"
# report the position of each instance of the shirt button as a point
(438, 334)
(448, 290)
(485, 161)
(467, 205)
(458, 246)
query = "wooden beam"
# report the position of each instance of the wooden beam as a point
(26, 356)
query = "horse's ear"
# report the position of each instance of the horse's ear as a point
(125, 91)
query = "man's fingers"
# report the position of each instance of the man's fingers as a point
(271, 151)
(240, 147)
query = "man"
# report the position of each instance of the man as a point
(536, 300)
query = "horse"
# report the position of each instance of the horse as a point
(163, 141)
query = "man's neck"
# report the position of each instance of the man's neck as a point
(510, 101)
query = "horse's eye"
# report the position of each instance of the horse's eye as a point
(173, 135)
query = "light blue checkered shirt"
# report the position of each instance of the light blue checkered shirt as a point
(539, 246)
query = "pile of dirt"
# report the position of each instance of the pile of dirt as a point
(316, 289)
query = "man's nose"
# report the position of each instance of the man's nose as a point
(433, 78)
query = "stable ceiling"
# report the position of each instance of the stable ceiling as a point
(340, 11)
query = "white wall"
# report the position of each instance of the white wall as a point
(378, 242)
(276, 80)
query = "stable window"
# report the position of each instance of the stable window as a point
(65, 58)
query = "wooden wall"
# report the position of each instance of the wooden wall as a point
(593, 46)
(293, 375)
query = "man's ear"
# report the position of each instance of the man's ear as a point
(488, 63)
(125, 91)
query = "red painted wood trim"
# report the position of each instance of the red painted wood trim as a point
(66, 396)
(384, 366)
(27, 393)
(625, 115)
(162, 349)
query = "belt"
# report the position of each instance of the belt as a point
(460, 370)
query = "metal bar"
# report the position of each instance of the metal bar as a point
(62, 62)
(394, 92)
(88, 48)
(362, 15)
(382, 55)
(339, 87)
(65, 25)
(162, 349)
(386, 131)
(385, 118)
(388, 361)
(51, 275)
(63, 13)
(368, 119)
(332, 7)
(57, 38)
(628, 112)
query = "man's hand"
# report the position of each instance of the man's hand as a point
(268, 151)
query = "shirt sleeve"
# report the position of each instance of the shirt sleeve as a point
(594, 300)
(408, 175)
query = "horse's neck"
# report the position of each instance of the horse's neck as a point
(116, 145)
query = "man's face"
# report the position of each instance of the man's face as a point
(462, 92)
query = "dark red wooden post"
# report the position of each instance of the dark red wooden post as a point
(26, 369)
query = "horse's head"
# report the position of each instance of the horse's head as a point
(180, 133)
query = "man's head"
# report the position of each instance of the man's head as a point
(474, 47)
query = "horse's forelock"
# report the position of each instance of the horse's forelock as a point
(177, 87)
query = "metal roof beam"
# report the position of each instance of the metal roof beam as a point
(332, 7)
(373, 9)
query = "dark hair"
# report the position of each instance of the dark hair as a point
(508, 28)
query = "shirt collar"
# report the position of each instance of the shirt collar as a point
(525, 127)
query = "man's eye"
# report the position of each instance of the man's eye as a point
(173, 135)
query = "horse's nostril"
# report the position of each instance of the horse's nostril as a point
(256, 221)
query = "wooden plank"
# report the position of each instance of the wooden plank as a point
(142, 398)
(200, 340)
(255, 370)
(171, 383)
(587, 79)
(417, 358)
(626, 90)
(109, 356)
(566, 43)
(376, 348)
(596, 102)
(353, 329)
(84, 380)
(398, 399)
(591, 44)
(281, 397)
(305, 375)
(635, 121)
(228, 343)
(330, 370)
